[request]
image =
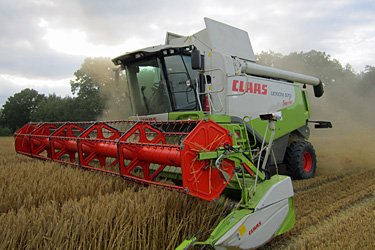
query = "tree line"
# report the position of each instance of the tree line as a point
(348, 96)
(96, 94)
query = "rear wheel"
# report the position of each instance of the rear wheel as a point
(300, 160)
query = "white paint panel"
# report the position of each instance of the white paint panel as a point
(253, 96)
(260, 227)
(280, 191)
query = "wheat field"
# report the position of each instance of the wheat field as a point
(45, 205)
(335, 209)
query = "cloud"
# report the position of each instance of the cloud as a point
(23, 51)
(49, 39)
(9, 85)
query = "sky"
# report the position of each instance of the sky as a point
(43, 42)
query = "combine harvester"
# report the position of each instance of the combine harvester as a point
(201, 105)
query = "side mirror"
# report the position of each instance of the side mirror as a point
(196, 61)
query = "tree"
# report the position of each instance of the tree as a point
(55, 109)
(269, 58)
(314, 63)
(368, 79)
(98, 94)
(18, 109)
(90, 78)
(95, 90)
(4, 131)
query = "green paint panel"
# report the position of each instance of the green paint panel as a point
(294, 117)
(225, 225)
(194, 115)
(237, 214)
(289, 220)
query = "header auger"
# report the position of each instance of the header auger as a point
(207, 116)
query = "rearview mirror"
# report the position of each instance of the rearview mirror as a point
(196, 62)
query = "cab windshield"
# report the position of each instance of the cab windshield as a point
(162, 85)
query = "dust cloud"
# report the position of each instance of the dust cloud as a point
(118, 105)
(349, 145)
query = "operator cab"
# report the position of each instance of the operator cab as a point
(160, 80)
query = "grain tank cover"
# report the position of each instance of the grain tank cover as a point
(218, 37)
(229, 40)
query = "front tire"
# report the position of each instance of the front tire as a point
(300, 159)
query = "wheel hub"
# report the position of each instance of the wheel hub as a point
(307, 161)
